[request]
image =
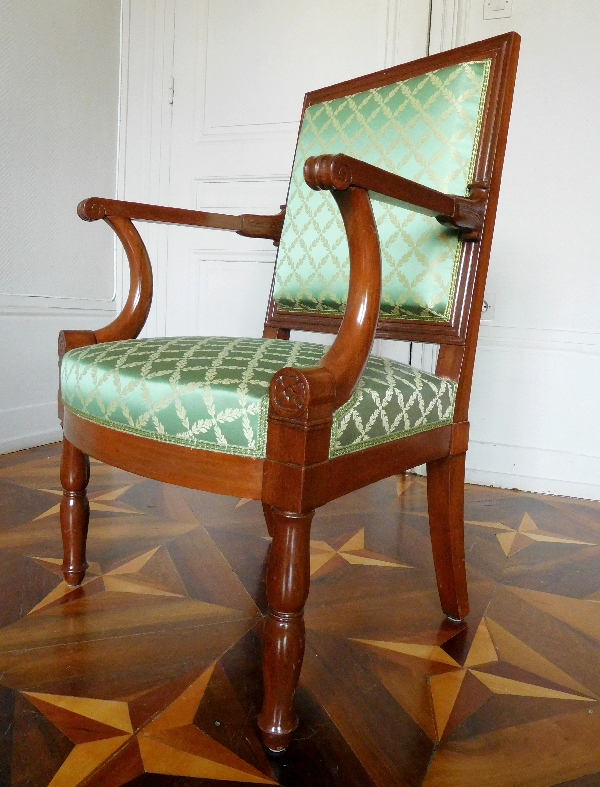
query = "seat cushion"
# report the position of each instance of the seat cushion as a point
(213, 393)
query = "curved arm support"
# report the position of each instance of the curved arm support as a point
(347, 356)
(130, 321)
(339, 172)
(321, 389)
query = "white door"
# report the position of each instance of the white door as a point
(241, 68)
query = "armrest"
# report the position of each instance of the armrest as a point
(298, 393)
(339, 172)
(119, 216)
(247, 224)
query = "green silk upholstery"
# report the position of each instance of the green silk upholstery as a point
(213, 393)
(425, 129)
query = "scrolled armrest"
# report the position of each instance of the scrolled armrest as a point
(120, 215)
(247, 224)
(339, 172)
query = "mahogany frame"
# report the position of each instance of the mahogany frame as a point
(297, 474)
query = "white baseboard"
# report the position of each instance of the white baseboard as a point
(28, 426)
(30, 441)
(533, 470)
(527, 469)
(29, 329)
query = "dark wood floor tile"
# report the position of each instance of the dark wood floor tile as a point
(581, 615)
(206, 572)
(108, 615)
(318, 754)
(39, 748)
(18, 504)
(122, 666)
(247, 556)
(563, 569)
(369, 606)
(391, 746)
(150, 497)
(41, 470)
(222, 716)
(28, 455)
(503, 712)
(408, 687)
(121, 769)
(559, 644)
(23, 584)
(243, 667)
(216, 511)
(542, 753)
(591, 780)
(7, 715)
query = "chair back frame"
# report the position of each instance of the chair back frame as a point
(462, 328)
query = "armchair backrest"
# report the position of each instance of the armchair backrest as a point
(434, 121)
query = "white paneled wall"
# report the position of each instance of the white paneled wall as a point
(534, 407)
(59, 96)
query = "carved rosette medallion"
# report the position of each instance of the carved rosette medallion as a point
(289, 393)
(62, 344)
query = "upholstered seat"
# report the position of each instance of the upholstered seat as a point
(213, 393)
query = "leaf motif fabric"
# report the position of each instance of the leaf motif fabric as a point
(425, 129)
(212, 393)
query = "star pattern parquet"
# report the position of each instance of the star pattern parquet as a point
(149, 674)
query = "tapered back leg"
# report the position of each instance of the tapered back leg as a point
(445, 501)
(74, 511)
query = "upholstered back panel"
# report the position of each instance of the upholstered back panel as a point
(426, 129)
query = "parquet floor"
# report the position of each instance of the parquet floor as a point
(149, 674)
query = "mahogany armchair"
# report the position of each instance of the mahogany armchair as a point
(387, 233)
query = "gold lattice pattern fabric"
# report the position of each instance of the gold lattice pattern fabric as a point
(425, 129)
(212, 393)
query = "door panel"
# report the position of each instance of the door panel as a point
(241, 68)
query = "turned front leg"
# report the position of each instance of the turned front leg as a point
(288, 579)
(74, 511)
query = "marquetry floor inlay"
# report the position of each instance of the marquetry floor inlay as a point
(149, 673)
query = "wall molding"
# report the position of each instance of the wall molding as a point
(449, 24)
(235, 255)
(213, 132)
(37, 305)
(509, 339)
(248, 193)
